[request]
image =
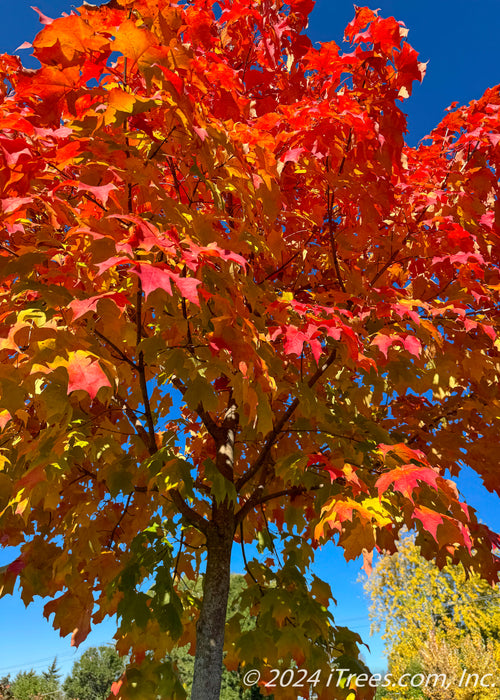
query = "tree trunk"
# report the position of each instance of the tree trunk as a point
(211, 623)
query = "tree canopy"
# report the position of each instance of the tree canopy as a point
(436, 622)
(93, 674)
(29, 685)
(199, 206)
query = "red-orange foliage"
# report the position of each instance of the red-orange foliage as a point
(211, 204)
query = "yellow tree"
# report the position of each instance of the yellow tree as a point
(442, 623)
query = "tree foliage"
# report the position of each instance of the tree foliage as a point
(53, 672)
(6, 688)
(93, 674)
(199, 204)
(29, 685)
(436, 622)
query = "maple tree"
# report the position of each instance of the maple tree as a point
(440, 622)
(196, 202)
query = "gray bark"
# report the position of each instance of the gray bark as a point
(211, 623)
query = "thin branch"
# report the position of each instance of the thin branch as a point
(173, 172)
(88, 196)
(152, 446)
(346, 149)
(287, 262)
(185, 316)
(156, 150)
(244, 555)
(117, 525)
(209, 423)
(124, 357)
(394, 255)
(134, 421)
(4, 247)
(331, 233)
(280, 424)
(84, 475)
(255, 500)
(322, 432)
(178, 555)
(292, 492)
(192, 517)
(270, 535)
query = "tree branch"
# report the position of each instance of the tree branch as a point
(252, 502)
(333, 243)
(329, 209)
(174, 575)
(124, 357)
(287, 262)
(118, 523)
(225, 451)
(192, 517)
(209, 423)
(273, 435)
(133, 420)
(244, 555)
(141, 369)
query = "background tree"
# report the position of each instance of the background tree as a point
(52, 674)
(29, 685)
(93, 674)
(436, 622)
(5, 688)
(198, 206)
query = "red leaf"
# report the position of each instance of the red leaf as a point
(294, 341)
(429, 519)
(202, 133)
(413, 345)
(402, 451)
(404, 479)
(79, 307)
(176, 81)
(302, 7)
(187, 286)
(115, 687)
(85, 374)
(363, 16)
(10, 204)
(316, 349)
(99, 192)
(489, 330)
(112, 262)
(16, 566)
(292, 155)
(410, 343)
(43, 18)
(32, 478)
(384, 342)
(154, 278)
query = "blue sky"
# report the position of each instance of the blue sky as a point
(459, 38)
